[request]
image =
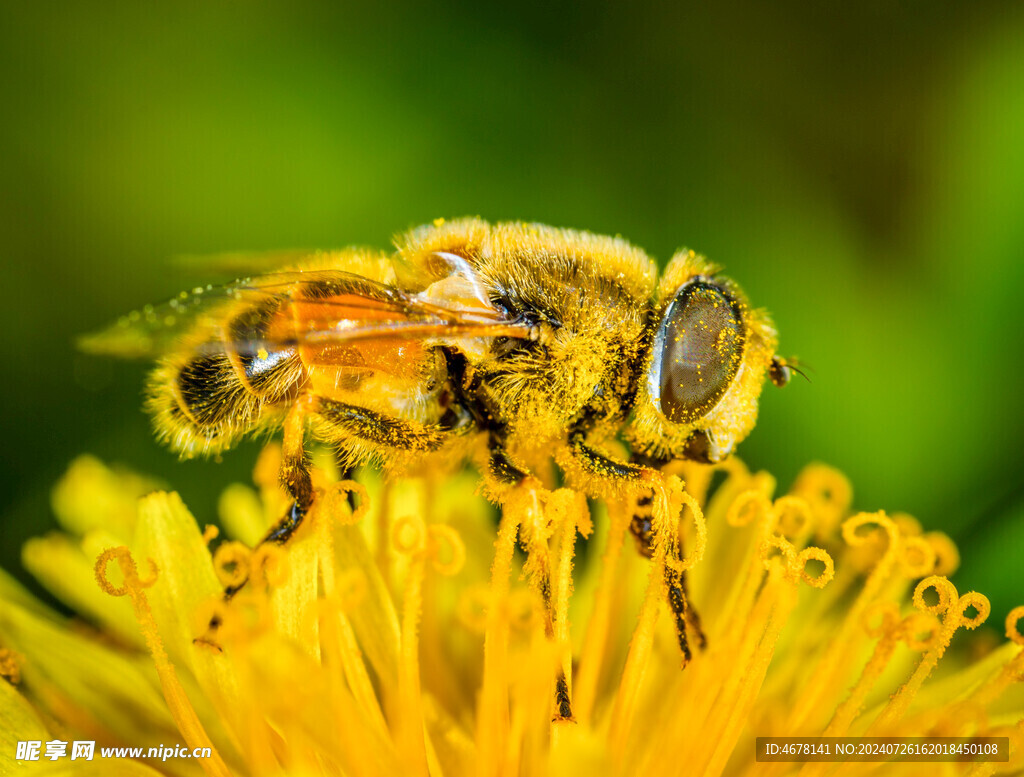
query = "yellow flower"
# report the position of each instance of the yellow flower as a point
(409, 636)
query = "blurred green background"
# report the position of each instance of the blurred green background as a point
(858, 168)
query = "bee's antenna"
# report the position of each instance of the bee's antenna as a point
(799, 371)
(780, 370)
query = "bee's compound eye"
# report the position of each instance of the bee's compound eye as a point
(701, 342)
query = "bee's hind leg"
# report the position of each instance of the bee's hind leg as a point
(296, 480)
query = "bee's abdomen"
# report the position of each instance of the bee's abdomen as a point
(225, 388)
(268, 368)
(210, 393)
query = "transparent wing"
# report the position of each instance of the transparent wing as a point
(320, 307)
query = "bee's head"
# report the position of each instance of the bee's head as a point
(697, 394)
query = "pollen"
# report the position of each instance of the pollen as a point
(10, 667)
(410, 634)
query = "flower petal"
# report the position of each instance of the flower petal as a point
(74, 678)
(167, 533)
(18, 722)
(92, 495)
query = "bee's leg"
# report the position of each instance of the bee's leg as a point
(683, 613)
(505, 471)
(500, 464)
(537, 558)
(297, 482)
(679, 601)
(346, 471)
(295, 477)
(675, 581)
(596, 463)
(593, 462)
(382, 430)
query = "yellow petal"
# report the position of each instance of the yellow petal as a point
(167, 533)
(13, 591)
(294, 602)
(73, 677)
(373, 619)
(18, 722)
(92, 495)
(241, 514)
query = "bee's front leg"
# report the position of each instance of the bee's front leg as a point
(596, 464)
(683, 612)
(500, 464)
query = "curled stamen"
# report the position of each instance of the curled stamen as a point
(917, 556)
(210, 533)
(443, 537)
(471, 608)
(947, 555)
(950, 606)
(181, 708)
(888, 615)
(700, 541)
(944, 590)
(852, 525)
(748, 507)
(231, 563)
(820, 555)
(827, 491)
(129, 571)
(340, 491)
(919, 631)
(409, 535)
(793, 516)
(1013, 621)
(786, 553)
(269, 563)
(980, 603)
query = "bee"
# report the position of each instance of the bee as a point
(510, 344)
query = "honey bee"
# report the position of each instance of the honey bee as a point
(509, 344)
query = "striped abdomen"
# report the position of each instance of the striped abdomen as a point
(230, 384)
